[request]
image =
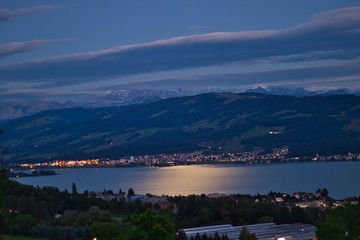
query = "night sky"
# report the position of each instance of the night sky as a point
(60, 50)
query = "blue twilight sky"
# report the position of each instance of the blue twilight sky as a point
(59, 50)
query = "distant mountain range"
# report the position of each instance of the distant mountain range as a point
(234, 122)
(30, 107)
(300, 92)
(143, 96)
(116, 98)
(130, 97)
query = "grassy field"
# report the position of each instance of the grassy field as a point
(7, 237)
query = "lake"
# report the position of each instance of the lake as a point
(342, 179)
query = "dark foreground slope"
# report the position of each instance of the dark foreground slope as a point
(308, 125)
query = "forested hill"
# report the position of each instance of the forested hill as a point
(308, 125)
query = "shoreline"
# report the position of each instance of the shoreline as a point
(210, 178)
(255, 163)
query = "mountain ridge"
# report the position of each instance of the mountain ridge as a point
(135, 96)
(8, 112)
(235, 122)
(299, 92)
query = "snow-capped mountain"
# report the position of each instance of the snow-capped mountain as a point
(132, 96)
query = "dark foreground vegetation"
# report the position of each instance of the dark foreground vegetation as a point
(49, 213)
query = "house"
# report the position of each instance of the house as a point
(302, 195)
(155, 199)
(135, 197)
(120, 196)
(313, 204)
(107, 196)
(216, 195)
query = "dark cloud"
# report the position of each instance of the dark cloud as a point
(8, 15)
(330, 35)
(20, 47)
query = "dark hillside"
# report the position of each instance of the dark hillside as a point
(308, 125)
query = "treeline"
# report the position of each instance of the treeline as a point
(34, 173)
(193, 211)
(36, 211)
(52, 214)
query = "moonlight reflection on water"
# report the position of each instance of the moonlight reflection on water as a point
(340, 178)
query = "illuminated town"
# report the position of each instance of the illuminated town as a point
(196, 157)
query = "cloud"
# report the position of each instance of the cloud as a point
(12, 96)
(320, 77)
(21, 47)
(195, 27)
(341, 74)
(8, 15)
(331, 35)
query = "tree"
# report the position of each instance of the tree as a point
(74, 189)
(151, 226)
(22, 223)
(70, 220)
(181, 235)
(265, 219)
(107, 231)
(318, 191)
(340, 222)
(324, 192)
(217, 236)
(131, 192)
(94, 213)
(81, 220)
(204, 237)
(245, 235)
(224, 237)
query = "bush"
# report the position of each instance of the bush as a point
(151, 226)
(22, 223)
(106, 231)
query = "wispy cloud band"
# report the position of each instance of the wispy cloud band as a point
(21, 47)
(330, 35)
(8, 15)
(329, 76)
(343, 74)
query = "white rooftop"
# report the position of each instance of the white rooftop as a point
(263, 231)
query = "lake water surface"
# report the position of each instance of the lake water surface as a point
(342, 179)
